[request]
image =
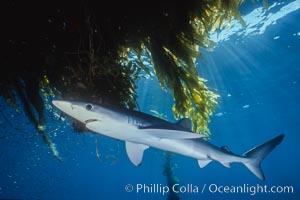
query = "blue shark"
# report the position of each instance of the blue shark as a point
(141, 131)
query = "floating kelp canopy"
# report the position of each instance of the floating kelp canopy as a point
(81, 51)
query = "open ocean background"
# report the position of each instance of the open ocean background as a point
(257, 73)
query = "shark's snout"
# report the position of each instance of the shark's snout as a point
(76, 110)
(62, 105)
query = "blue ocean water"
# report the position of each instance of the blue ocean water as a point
(257, 75)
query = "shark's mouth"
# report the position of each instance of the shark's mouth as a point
(90, 120)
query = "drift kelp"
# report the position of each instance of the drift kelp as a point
(82, 51)
(173, 46)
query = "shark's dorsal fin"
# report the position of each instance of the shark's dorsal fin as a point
(172, 134)
(225, 148)
(135, 152)
(185, 123)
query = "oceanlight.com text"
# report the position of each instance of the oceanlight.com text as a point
(247, 189)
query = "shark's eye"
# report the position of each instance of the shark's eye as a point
(88, 107)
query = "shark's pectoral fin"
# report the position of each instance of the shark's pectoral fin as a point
(135, 152)
(172, 134)
(203, 163)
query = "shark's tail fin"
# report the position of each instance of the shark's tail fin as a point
(257, 154)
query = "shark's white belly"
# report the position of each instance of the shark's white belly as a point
(184, 147)
(195, 148)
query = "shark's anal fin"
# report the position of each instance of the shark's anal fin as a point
(226, 164)
(203, 163)
(135, 152)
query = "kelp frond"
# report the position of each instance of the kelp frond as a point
(86, 57)
(93, 74)
(175, 47)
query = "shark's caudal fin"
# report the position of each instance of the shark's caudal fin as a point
(257, 154)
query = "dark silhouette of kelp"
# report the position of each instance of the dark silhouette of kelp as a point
(80, 50)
